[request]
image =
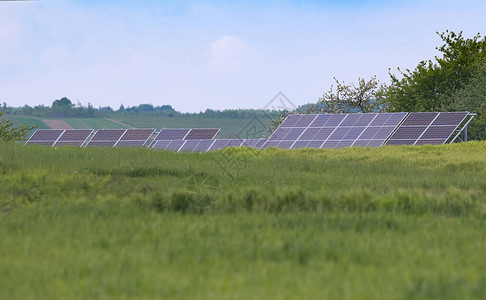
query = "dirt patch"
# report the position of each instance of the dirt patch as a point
(118, 122)
(57, 124)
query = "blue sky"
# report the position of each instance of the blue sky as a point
(213, 54)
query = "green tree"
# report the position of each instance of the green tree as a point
(9, 133)
(430, 86)
(364, 97)
(62, 108)
(452, 82)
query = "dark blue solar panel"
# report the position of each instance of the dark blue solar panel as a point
(320, 120)
(419, 118)
(315, 144)
(285, 144)
(361, 143)
(219, 144)
(354, 133)
(369, 133)
(300, 144)
(305, 121)
(309, 134)
(343, 144)
(250, 143)
(375, 143)
(339, 133)
(350, 120)
(189, 145)
(235, 143)
(294, 134)
(170, 134)
(380, 120)
(383, 133)
(335, 120)
(430, 142)
(365, 119)
(395, 119)
(160, 144)
(203, 145)
(400, 142)
(260, 143)
(323, 134)
(279, 133)
(450, 118)
(438, 132)
(270, 144)
(408, 132)
(291, 120)
(330, 144)
(175, 145)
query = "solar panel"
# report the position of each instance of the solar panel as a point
(75, 144)
(234, 143)
(202, 134)
(137, 144)
(160, 144)
(106, 137)
(137, 134)
(45, 137)
(219, 144)
(379, 128)
(108, 134)
(253, 143)
(134, 137)
(174, 145)
(421, 128)
(189, 145)
(101, 143)
(203, 145)
(172, 134)
(73, 137)
(334, 130)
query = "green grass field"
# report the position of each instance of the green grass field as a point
(357, 223)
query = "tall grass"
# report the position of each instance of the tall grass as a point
(415, 180)
(358, 223)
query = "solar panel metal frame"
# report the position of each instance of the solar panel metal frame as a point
(93, 141)
(122, 140)
(48, 142)
(189, 137)
(163, 130)
(60, 140)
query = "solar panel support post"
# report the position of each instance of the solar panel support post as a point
(464, 129)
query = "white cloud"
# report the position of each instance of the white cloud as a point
(229, 53)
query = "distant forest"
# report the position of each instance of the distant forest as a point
(65, 108)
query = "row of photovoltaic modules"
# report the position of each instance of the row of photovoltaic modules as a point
(297, 131)
(365, 130)
(114, 137)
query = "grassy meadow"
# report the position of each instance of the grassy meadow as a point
(356, 223)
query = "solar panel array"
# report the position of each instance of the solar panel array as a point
(296, 131)
(59, 137)
(421, 128)
(334, 130)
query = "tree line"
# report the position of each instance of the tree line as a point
(65, 108)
